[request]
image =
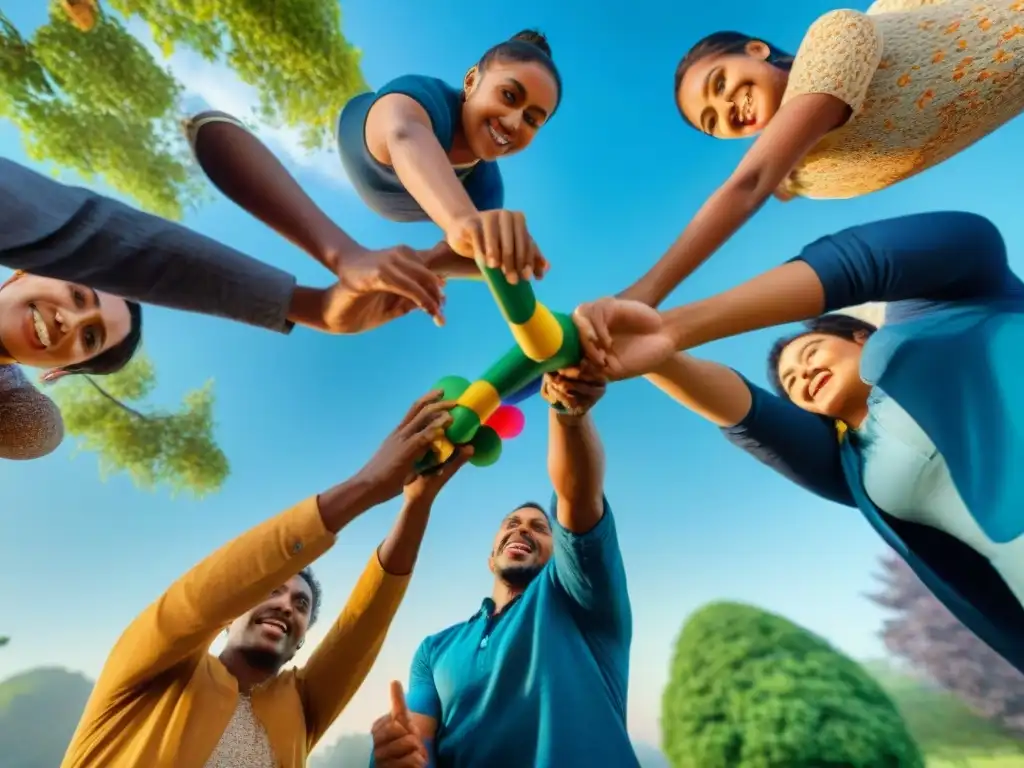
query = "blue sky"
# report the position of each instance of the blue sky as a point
(607, 185)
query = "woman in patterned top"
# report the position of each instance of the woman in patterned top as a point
(869, 99)
(64, 328)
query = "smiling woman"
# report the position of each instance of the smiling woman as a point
(62, 327)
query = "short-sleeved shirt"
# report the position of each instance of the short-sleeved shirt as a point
(378, 184)
(923, 83)
(543, 683)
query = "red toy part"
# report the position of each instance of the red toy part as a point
(508, 421)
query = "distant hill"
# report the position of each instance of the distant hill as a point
(940, 723)
(39, 711)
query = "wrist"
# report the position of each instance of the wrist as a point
(306, 307)
(679, 324)
(334, 255)
(346, 501)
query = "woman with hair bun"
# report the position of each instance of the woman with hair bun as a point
(416, 149)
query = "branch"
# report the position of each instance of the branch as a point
(115, 401)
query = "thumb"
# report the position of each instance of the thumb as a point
(399, 709)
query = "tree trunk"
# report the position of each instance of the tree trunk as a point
(115, 401)
(82, 13)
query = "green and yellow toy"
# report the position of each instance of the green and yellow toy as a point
(545, 341)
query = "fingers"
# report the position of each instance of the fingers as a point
(573, 394)
(593, 349)
(432, 396)
(395, 747)
(429, 424)
(511, 247)
(490, 225)
(404, 274)
(399, 709)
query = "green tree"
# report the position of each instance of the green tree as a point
(175, 449)
(4, 641)
(748, 689)
(97, 104)
(39, 710)
(291, 51)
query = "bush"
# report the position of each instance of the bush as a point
(748, 689)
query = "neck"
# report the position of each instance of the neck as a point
(855, 416)
(460, 153)
(504, 594)
(244, 671)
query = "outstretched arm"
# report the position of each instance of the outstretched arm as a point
(798, 445)
(946, 256)
(249, 174)
(102, 243)
(790, 135)
(828, 83)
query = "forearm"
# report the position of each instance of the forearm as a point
(576, 466)
(723, 214)
(249, 174)
(785, 294)
(400, 549)
(426, 173)
(709, 389)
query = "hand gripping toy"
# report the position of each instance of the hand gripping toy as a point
(545, 341)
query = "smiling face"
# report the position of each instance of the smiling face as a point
(732, 95)
(522, 546)
(269, 635)
(50, 323)
(821, 374)
(506, 104)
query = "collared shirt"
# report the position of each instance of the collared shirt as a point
(543, 683)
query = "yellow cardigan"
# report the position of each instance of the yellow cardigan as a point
(163, 701)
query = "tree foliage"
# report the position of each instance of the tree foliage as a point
(748, 689)
(926, 635)
(291, 51)
(98, 104)
(155, 447)
(4, 641)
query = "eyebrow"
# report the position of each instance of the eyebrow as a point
(102, 326)
(799, 356)
(523, 94)
(706, 91)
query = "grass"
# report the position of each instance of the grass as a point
(979, 761)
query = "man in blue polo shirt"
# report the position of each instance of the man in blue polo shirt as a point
(537, 677)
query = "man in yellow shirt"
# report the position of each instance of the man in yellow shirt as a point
(163, 701)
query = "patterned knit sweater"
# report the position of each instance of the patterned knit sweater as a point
(30, 423)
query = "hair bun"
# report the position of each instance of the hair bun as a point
(535, 38)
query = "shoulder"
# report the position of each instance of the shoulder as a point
(30, 422)
(439, 100)
(838, 56)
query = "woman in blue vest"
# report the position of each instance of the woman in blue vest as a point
(917, 423)
(417, 149)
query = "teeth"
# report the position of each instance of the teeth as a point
(501, 139)
(41, 330)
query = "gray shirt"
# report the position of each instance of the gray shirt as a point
(72, 233)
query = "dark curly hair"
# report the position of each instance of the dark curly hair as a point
(718, 44)
(528, 45)
(835, 324)
(306, 574)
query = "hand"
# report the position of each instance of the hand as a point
(623, 338)
(500, 238)
(393, 466)
(574, 389)
(424, 489)
(375, 287)
(396, 742)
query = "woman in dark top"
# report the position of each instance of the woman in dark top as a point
(417, 149)
(916, 423)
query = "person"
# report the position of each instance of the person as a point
(918, 424)
(538, 675)
(870, 99)
(74, 234)
(163, 700)
(66, 328)
(417, 149)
